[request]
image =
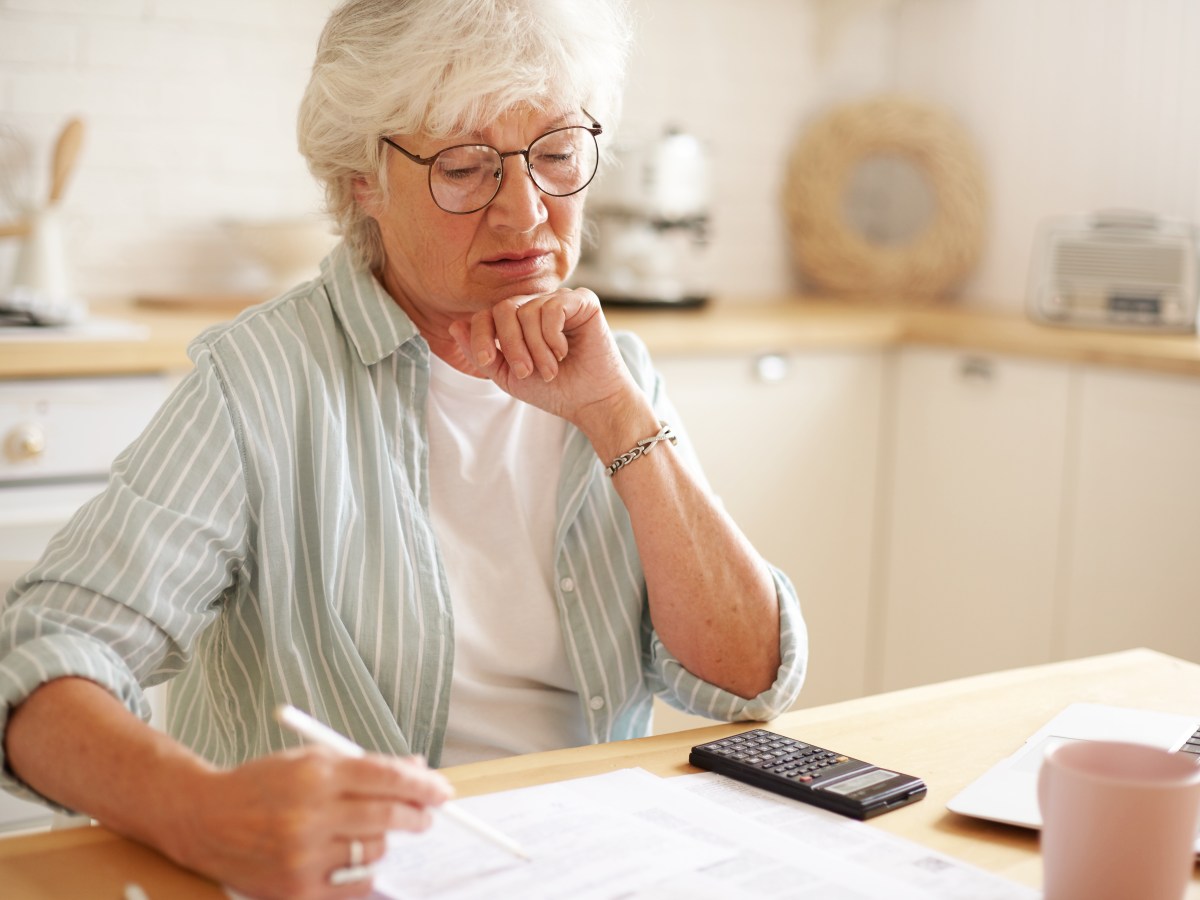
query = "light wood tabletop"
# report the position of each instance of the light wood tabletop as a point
(947, 733)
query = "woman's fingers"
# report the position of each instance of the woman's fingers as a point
(397, 779)
(348, 861)
(553, 322)
(540, 320)
(357, 817)
(553, 351)
(531, 331)
(482, 340)
(510, 323)
(279, 825)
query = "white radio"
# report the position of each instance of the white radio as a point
(1115, 269)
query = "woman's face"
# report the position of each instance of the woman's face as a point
(440, 267)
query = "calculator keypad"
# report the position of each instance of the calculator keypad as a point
(782, 756)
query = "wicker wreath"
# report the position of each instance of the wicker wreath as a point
(831, 253)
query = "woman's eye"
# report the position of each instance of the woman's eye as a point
(467, 173)
(555, 159)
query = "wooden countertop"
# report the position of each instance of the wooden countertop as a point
(947, 733)
(769, 324)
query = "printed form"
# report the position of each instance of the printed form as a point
(630, 834)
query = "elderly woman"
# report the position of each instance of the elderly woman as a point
(428, 497)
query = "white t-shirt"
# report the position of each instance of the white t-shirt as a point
(494, 464)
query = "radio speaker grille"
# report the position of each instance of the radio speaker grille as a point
(1101, 261)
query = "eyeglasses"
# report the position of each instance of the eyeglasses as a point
(466, 177)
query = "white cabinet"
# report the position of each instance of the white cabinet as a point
(1132, 568)
(58, 438)
(977, 447)
(944, 513)
(790, 444)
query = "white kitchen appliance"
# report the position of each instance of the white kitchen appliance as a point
(1116, 269)
(647, 216)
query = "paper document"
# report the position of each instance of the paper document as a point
(630, 834)
(820, 842)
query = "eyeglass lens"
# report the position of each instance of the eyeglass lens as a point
(466, 178)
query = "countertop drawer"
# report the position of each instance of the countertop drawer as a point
(57, 429)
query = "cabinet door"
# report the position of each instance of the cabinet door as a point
(978, 449)
(790, 445)
(1133, 567)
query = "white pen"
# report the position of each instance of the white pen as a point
(305, 725)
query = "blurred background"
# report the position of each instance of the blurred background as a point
(190, 107)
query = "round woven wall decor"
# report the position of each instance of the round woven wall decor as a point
(832, 253)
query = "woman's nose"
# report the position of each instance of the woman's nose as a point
(518, 204)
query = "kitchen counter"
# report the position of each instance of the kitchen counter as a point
(734, 326)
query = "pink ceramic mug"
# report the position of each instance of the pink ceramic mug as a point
(1118, 821)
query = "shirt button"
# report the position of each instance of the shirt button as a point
(567, 584)
(596, 703)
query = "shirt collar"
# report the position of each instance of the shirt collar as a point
(372, 320)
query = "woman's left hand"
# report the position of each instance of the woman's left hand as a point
(553, 351)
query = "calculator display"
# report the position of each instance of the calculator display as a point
(856, 784)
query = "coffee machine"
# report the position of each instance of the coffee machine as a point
(647, 214)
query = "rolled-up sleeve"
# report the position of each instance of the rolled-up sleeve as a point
(683, 690)
(121, 594)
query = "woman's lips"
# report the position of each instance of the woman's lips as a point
(519, 265)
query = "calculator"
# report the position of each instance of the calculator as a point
(809, 773)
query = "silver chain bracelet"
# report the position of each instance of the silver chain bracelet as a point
(644, 446)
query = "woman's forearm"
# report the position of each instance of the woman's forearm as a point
(275, 826)
(76, 744)
(712, 599)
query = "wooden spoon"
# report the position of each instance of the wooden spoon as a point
(66, 151)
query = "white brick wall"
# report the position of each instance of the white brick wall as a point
(190, 114)
(190, 108)
(1077, 105)
(744, 77)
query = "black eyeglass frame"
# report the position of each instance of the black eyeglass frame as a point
(595, 129)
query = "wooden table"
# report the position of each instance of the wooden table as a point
(947, 733)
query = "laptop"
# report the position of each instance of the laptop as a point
(1007, 792)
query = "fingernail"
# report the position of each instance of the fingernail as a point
(521, 370)
(483, 357)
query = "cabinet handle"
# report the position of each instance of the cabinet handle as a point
(24, 442)
(977, 368)
(771, 367)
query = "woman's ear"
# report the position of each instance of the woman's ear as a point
(367, 195)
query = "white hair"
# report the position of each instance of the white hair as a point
(442, 68)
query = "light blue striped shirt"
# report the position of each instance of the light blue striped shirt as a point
(268, 540)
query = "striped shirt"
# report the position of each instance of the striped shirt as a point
(268, 540)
